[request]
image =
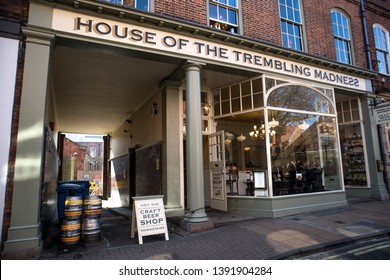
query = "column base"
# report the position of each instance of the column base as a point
(196, 218)
(199, 227)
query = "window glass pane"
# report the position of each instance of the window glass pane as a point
(235, 90)
(246, 88)
(236, 106)
(142, 5)
(225, 93)
(233, 3)
(285, 40)
(340, 116)
(290, 14)
(232, 17)
(297, 16)
(222, 14)
(258, 100)
(353, 158)
(269, 83)
(225, 107)
(299, 98)
(283, 12)
(354, 104)
(119, 2)
(355, 115)
(347, 116)
(216, 96)
(217, 109)
(257, 85)
(246, 102)
(298, 45)
(213, 11)
(304, 154)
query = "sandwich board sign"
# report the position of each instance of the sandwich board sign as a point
(148, 217)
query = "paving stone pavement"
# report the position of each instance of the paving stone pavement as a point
(234, 237)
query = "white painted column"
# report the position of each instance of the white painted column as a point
(24, 232)
(194, 147)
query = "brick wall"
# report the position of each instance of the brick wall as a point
(16, 12)
(191, 10)
(78, 152)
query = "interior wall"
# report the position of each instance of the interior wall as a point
(143, 130)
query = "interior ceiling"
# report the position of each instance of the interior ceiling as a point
(96, 89)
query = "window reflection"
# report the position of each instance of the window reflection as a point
(304, 156)
(300, 98)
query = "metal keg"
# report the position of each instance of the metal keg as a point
(70, 232)
(92, 207)
(73, 207)
(91, 230)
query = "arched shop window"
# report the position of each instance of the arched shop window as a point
(304, 154)
(299, 122)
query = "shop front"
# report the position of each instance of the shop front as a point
(281, 145)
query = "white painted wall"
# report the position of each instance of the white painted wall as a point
(9, 58)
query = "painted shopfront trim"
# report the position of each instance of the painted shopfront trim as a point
(146, 38)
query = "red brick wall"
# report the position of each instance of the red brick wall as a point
(261, 20)
(17, 12)
(192, 10)
(73, 149)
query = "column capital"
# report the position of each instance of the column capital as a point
(169, 84)
(38, 36)
(193, 64)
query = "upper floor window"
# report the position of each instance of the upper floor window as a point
(291, 24)
(382, 49)
(342, 39)
(138, 4)
(142, 5)
(223, 14)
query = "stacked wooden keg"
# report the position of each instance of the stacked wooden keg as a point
(82, 220)
(91, 226)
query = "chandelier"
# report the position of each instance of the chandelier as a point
(259, 132)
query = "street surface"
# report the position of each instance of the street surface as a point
(377, 249)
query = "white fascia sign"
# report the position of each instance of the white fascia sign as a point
(147, 39)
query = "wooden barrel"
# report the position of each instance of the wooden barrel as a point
(92, 207)
(91, 230)
(73, 207)
(70, 232)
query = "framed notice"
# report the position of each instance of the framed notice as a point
(148, 217)
(259, 179)
(216, 182)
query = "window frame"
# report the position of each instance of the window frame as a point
(342, 39)
(385, 52)
(222, 24)
(285, 20)
(150, 4)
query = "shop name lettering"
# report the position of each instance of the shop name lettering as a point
(202, 49)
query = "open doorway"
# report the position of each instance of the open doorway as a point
(83, 158)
